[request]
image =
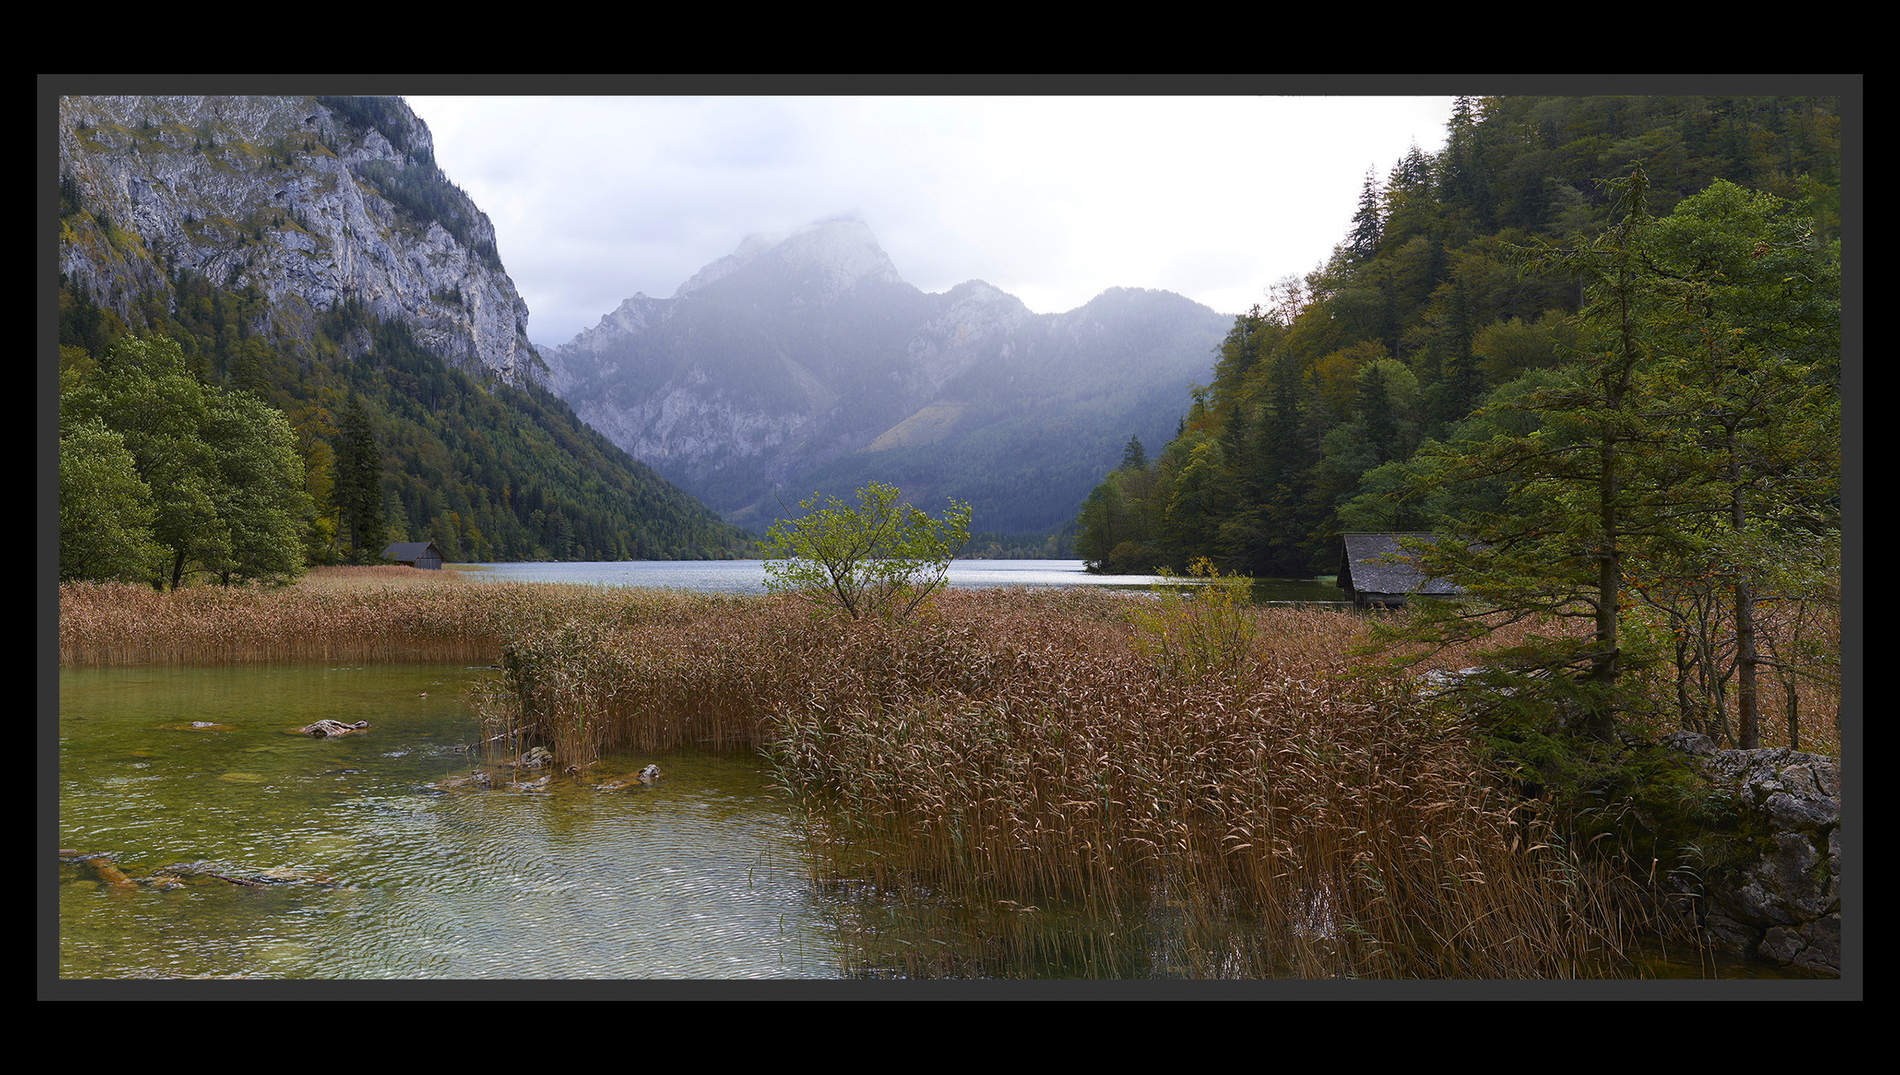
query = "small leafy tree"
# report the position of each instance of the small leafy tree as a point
(1202, 629)
(880, 558)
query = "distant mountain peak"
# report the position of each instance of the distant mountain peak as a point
(803, 361)
(830, 256)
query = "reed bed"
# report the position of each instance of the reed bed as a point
(1021, 756)
(1025, 772)
(363, 614)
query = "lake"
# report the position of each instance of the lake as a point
(371, 869)
(748, 576)
(365, 863)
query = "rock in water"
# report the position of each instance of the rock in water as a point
(330, 729)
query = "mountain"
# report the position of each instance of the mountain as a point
(308, 249)
(804, 363)
(312, 201)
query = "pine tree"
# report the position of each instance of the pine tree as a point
(1368, 223)
(1692, 444)
(1582, 495)
(359, 483)
(1134, 456)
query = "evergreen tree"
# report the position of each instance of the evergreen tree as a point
(1368, 223)
(1579, 501)
(1134, 456)
(359, 483)
(1676, 448)
(1751, 357)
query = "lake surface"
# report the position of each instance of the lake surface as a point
(748, 576)
(372, 870)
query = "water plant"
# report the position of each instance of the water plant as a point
(1197, 626)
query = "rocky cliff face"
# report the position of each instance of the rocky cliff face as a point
(804, 363)
(309, 203)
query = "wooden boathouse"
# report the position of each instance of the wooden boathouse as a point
(422, 554)
(1375, 571)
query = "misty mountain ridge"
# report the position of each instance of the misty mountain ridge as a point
(804, 363)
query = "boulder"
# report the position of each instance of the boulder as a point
(1775, 892)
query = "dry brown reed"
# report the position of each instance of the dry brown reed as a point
(1019, 755)
(1017, 749)
(360, 614)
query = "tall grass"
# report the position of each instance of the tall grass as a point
(1021, 750)
(358, 614)
(1027, 770)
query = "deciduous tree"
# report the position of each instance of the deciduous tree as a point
(880, 558)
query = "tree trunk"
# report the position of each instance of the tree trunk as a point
(1747, 716)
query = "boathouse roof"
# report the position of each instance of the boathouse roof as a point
(1375, 567)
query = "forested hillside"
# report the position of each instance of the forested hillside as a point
(392, 441)
(1438, 304)
(487, 470)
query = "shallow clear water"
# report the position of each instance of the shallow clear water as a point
(699, 876)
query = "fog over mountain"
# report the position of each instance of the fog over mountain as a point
(804, 363)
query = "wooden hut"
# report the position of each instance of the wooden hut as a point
(1374, 581)
(422, 554)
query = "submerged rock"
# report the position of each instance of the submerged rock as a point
(330, 729)
(644, 777)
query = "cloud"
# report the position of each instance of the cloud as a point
(1051, 198)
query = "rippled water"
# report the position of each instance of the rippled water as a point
(700, 876)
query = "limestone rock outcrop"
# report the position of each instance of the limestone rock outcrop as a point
(1778, 897)
(309, 204)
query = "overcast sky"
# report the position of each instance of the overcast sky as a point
(1051, 199)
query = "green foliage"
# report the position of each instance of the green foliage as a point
(105, 510)
(1428, 281)
(1115, 531)
(359, 484)
(481, 467)
(221, 468)
(881, 558)
(1199, 626)
(1662, 485)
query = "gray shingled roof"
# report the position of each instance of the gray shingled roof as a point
(407, 550)
(1361, 567)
